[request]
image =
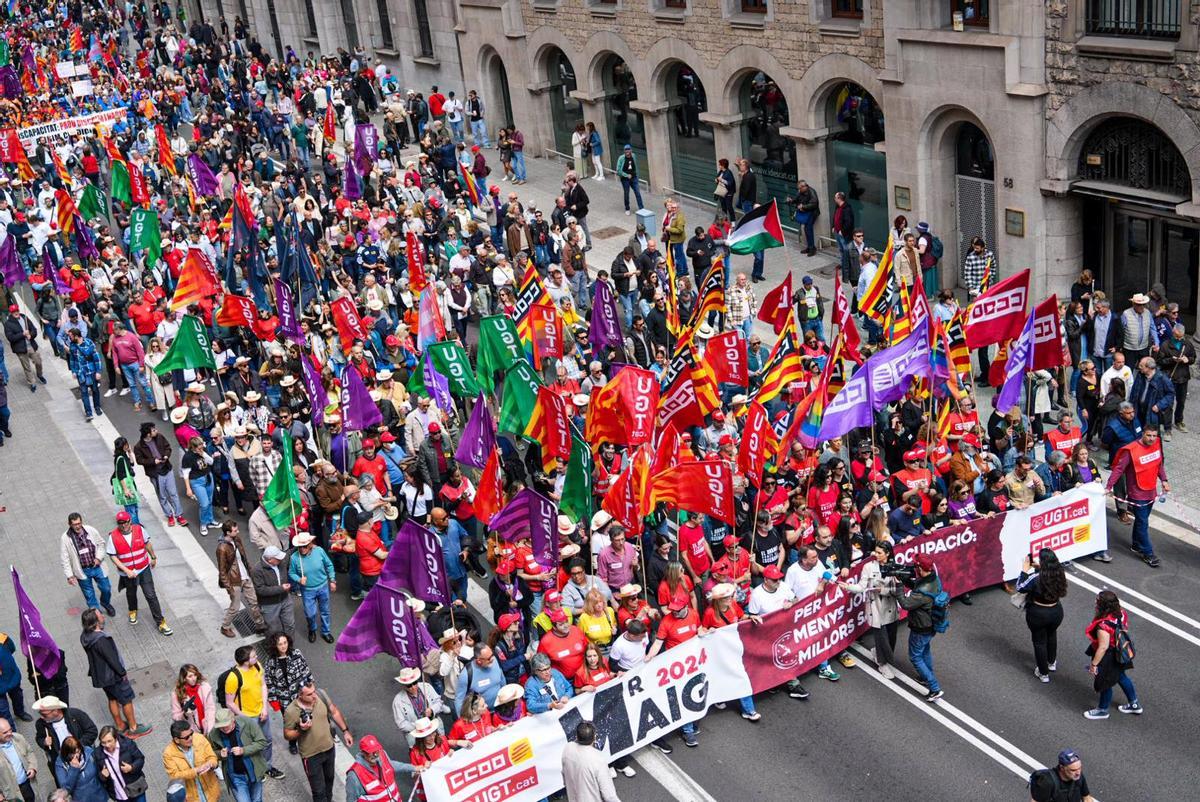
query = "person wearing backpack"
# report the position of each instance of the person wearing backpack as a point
(1063, 783)
(926, 603)
(1112, 654)
(243, 689)
(931, 248)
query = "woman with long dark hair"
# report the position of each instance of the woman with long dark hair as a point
(1044, 584)
(123, 478)
(1111, 653)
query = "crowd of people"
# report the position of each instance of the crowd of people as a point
(260, 176)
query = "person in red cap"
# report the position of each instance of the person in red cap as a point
(509, 643)
(553, 600)
(710, 437)
(682, 624)
(914, 476)
(563, 644)
(130, 551)
(370, 462)
(919, 602)
(372, 776)
(735, 564)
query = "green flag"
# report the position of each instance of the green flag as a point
(450, 360)
(282, 499)
(190, 348)
(521, 384)
(416, 381)
(120, 183)
(5, 59)
(577, 488)
(89, 203)
(145, 235)
(499, 348)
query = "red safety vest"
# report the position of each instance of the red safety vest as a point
(1064, 442)
(604, 476)
(377, 788)
(132, 553)
(1145, 461)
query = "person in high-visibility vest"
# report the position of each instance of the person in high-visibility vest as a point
(130, 550)
(372, 776)
(1141, 463)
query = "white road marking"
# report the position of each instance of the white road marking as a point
(1128, 591)
(962, 716)
(667, 773)
(933, 710)
(1153, 619)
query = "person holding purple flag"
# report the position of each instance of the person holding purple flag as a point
(1020, 361)
(382, 623)
(202, 177)
(604, 330)
(359, 412)
(351, 182)
(453, 539)
(12, 698)
(479, 438)
(289, 321)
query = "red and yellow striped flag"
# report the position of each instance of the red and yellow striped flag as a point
(165, 157)
(66, 211)
(197, 280)
(783, 366)
(60, 169)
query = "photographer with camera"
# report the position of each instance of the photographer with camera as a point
(879, 580)
(926, 604)
(309, 721)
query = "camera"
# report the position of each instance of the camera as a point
(305, 716)
(905, 573)
(188, 705)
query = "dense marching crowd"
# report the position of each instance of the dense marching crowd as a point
(258, 176)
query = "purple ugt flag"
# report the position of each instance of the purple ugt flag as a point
(202, 177)
(382, 623)
(351, 183)
(9, 264)
(366, 146)
(50, 273)
(530, 515)
(604, 330)
(415, 562)
(1020, 360)
(479, 438)
(358, 410)
(437, 386)
(317, 397)
(882, 379)
(10, 84)
(289, 322)
(35, 640)
(85, 241)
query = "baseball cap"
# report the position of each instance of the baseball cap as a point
(628, 147)
(678, 604)
(924, 562)
(726, 440)
(718, 415)
(730, 541)
(807, 279)
(434, 426)
(123, 517)
(386, 437)
(914, 455)
(971, 440)
(1068, 756)
(553, 597)
(370, 744)
(772, 572)
(557, 616)
(368, 443)
(14, 308)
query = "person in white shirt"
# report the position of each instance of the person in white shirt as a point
(1119, 370)
(770, 596)
(453, 109)
(805, 578)
(629, 651)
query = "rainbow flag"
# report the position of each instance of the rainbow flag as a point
(469, 182)
(811, 410)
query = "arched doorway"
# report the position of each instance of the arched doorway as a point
(625, 125)
(1131, 177)
(974, 188)
(771, 155)
(856, 168)
(498, 94)
(693, 146)
(565, 111)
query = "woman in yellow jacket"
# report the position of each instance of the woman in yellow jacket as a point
(597, 621)
(189, 759)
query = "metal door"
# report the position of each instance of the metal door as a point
(975, 213)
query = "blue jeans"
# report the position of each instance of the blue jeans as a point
(921, 657)
(747, 704)
(265, 725)
(760, 263)
(1126, 684)
(626, 187)
(1141, 526)
(90, 393)
(17, 697)
(168, 495)
(746, 327)
(317, 601)
(135, 377)
(245, 789)
(681, 261)
(202, 489)
(132, 509)
(479, 133)
(96, 575)
(814, 324)
(456, 131)
(458, 587)
(3, 367)
(629, 302)
(805, 221)
(518, 164)
(1102, 363)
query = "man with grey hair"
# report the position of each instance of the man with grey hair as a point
(482, 675)
(1153, 395)
(273, 589)
(1103, 333)
(1176, 355)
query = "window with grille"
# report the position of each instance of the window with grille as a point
(847, 9)
(424, 35)
(385, 25)
(311, 14)
(974, 12)
(1143, 19)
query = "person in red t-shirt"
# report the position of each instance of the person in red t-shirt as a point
(371, 552)
(680, 626)
(475, 722)
(823, 494)
(697, 555)
(723, 611)
(631, 606)
(594, 672)
(735, 563)
(371, 462)
(563, 644)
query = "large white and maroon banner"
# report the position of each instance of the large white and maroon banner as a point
(524, 762)
(68, 126)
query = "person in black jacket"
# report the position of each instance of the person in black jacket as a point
(576, 198)
(808, 209)
(51, 711)
(656, 322)
(1110, 324)
(50, 686)
(843, 232)
(700, 250)
(274, 592)
(22, 339)
(747, 191)
(107, 670)
(119, 761)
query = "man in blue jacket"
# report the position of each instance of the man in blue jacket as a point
(1153, 395)
(12, 698)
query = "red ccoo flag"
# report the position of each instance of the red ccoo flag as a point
(705, 487)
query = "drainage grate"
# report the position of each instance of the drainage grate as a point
(609, 232)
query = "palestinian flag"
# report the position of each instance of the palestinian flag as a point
(758, 230)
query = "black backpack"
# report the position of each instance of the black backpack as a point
(221, 682)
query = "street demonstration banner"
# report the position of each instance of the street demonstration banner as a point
(83, 124)
(524, 762)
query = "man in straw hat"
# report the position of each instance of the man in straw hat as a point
(1140, 335)
(57, 722)
(416, 700)
(312, 570)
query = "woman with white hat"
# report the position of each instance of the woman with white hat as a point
(722, 611)
(509, 707)
(430, 746)
(416, 700)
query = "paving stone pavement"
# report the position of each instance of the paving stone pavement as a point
(55, 464)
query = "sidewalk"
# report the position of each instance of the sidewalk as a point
(58, 464)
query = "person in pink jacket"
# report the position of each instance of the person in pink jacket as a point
(193, 700)
(127, 354)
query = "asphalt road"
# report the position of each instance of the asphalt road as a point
(867, 736)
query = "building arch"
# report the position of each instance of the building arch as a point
(740, 64)
(494, 83)
(540, 46)
(1069, 127)
(597, 53)
(823, 78)
(666, 54)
